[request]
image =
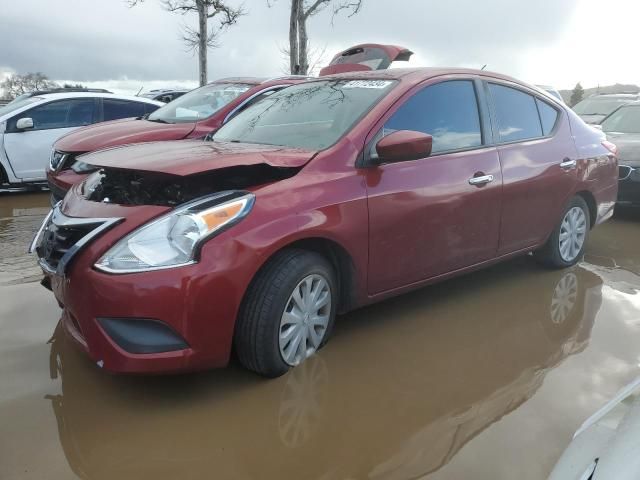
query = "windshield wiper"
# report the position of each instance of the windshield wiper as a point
(157, 120)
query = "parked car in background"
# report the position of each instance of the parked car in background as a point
(594, 108)
(163, 95)
(622, 128)
(196, 114)
(605, 447)
(551, 91)
(30, 127)
(323, 197)
(37, 93)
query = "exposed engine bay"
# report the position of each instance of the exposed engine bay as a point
(133, 187)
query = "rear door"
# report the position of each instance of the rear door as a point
(369, 56)
(425, 216)
(28, 150)
(538, 159)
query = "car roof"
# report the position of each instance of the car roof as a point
(62, 96)
(417, 75)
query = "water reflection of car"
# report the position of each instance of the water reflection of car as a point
(622, 128)
(596, 107)
(381, 404)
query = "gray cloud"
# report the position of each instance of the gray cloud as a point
(92, 40)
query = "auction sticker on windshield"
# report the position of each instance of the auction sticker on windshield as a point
(367, 84)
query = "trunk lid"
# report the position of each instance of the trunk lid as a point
(368, 56)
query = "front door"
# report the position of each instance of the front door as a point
(28, 150)
(434, 215)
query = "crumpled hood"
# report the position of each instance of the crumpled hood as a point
(120, 132)
(189, 157)
(628, 147)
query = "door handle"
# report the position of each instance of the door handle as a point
(481, 180)
(568, 164)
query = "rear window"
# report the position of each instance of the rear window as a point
(600, 105)
(516, 112)
(624, 120)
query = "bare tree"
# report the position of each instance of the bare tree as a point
(15, 85)
(300, 12)
(203, 38)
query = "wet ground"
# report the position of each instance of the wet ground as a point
(486, 377)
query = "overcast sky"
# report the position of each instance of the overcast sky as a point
(105, 43)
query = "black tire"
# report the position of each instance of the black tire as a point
(256, 336)
(4, 179)
(549, 255)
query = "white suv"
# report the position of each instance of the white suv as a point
(29, 127)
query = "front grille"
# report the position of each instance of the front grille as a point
(61, 237)
(61, 160)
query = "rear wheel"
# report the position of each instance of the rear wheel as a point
(287, 314)
(567, 242)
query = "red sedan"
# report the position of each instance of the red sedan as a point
(325, 196)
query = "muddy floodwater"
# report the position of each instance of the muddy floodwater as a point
(486, 376)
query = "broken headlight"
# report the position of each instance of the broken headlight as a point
(174, 239)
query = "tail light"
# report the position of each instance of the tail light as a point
(610, 146)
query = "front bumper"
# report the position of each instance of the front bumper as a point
(193, 307)
(629, 185)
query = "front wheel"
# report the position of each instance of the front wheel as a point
(567, 242)
(287, 314)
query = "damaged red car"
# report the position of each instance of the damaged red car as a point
(195, 114)
(323, 197)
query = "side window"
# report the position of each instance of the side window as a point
(60, 114)
(447, 111)
(116, 109)
(517, 113)
(548, 116)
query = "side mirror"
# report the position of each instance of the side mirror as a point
(404, 145)
(24, 123)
